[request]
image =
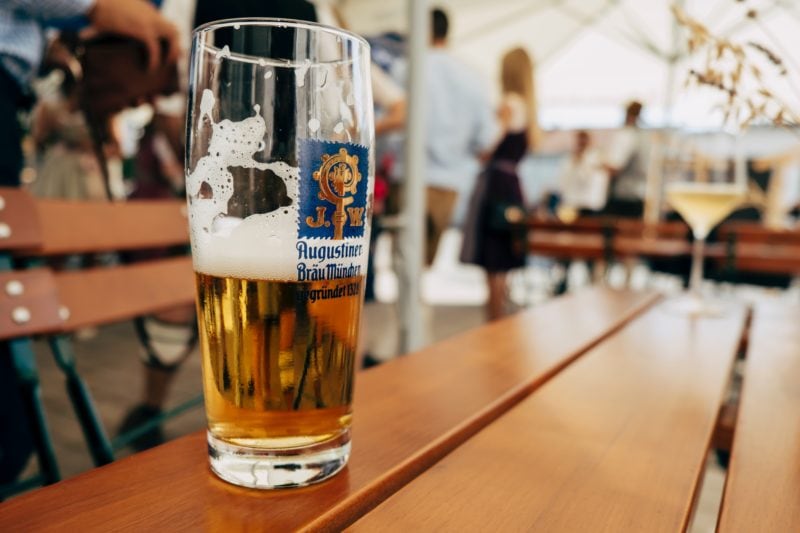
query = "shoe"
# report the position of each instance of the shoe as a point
(369, 361)
(135, 418)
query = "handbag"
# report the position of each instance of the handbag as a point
(505, 216)
(115, 75)
(111, 75)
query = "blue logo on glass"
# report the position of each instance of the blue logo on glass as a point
(333, 189)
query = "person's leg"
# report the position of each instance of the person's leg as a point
(440, 204)
(495, 307)
(170, 335)
(10, 132)
(16, 441)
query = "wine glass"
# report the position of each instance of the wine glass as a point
(703, 199)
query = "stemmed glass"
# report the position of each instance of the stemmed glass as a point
(703, 199)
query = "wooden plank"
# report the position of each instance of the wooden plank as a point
(744, 232)
(408, 414)
(80, 227)
(638, 228)
(28, 303)
(19, 229)
(767, 258)
(617, 442)
(581, 225)
(762, 491)
(68, 300)
(651, 247)
(566, 245)
(104, 295)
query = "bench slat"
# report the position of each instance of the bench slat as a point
(762, 490)
(408, 414)
(105, 295)
(18, 229)
(81, 227)
(616, 442)
(34, 294)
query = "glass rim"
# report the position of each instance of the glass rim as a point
(278, 23)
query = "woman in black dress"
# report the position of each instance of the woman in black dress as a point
(495, 234)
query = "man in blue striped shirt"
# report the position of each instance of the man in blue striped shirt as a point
(22, 45)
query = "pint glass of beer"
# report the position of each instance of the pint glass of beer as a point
(279, 180)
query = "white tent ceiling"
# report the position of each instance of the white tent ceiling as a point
(594, 55)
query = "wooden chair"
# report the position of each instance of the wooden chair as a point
(36, 299)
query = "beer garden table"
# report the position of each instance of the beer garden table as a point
(592, 412)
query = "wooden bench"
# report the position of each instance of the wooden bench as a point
(618, 442)
(38, 300)
(607, 238)
(751, 250)
(585, 238)
(762, 490)
(742, 253)
(408, 414)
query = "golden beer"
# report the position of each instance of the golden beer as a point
(278, 358)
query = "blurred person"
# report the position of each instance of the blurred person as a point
(460, 129)
(22, 26)
(22, 44)
(68, 166)
(390, 107)
(167, 338)
(626, 166)
(583, 183)
(583, 178)
(495, 234)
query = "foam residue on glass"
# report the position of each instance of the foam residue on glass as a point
(224, 245)
(300, 73)
(225, 53)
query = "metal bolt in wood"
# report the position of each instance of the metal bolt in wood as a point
(21, 315)
(14, 288)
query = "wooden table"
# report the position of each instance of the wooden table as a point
(592, 412)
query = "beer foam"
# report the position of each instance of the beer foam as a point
(259, 246)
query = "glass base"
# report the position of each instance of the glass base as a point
(695, 306)
(274, 469)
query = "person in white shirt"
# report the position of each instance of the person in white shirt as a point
(583, 178)
(626, 166)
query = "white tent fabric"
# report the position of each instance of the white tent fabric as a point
(595, 55)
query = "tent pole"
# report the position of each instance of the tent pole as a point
(674, 55)
(412, 335)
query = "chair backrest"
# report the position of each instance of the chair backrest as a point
(638, 228)
(580, 225)
(44, 300)
(742, 232)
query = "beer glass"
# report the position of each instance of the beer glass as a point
(279, 180)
